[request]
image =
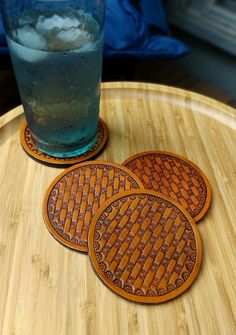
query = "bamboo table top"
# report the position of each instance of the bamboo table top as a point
(49, 289)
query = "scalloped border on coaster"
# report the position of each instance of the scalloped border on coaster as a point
(74, 197)
(36, 154)
(174, 176)
(145, 246)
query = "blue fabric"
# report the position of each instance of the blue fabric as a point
(127, 31)
(123, 26)
(154, 14)
(3, 43)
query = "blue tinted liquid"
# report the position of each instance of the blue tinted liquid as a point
(60, 94)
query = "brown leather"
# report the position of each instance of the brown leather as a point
(174, 176)
(144, 246)
(36, 154)
(75, 195)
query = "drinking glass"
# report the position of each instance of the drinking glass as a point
(56, 48)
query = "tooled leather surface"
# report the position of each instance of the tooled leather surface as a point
(147, 248)
(173, 177)
(92, 151)
(77, 196)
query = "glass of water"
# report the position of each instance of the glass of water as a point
(56, 48)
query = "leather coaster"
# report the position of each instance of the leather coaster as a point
(144, 246)
(76, 194)
(35, 153)
(174, 176)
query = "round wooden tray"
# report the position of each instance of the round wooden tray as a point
(49, 289)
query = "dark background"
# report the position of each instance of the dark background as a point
(206, 69)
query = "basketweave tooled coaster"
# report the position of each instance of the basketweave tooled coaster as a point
(174, 176)
(145, 246)
(35, 153)
(76, 194)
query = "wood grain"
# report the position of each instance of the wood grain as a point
(49, 289)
